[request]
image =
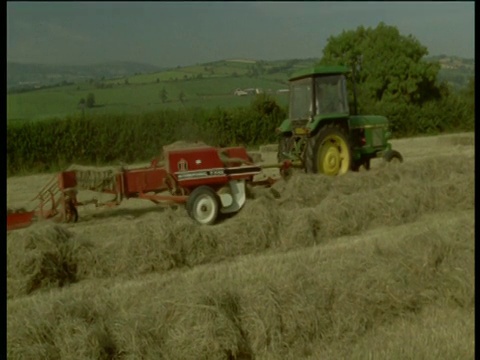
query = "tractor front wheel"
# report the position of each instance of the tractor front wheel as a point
(328, 152)
(393, 156)
(365, 162)
(203, 205)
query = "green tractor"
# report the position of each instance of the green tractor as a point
(321, 134)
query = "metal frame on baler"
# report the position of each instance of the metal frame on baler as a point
(199, 177)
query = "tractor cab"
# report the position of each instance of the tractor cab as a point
(318, 95)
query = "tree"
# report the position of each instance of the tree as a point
(389, 66)
(90, 102)
(468, 94)
(163, 95)
(181, 96)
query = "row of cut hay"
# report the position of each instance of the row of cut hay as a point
(311, 210)
(460, 139)
(322, 302)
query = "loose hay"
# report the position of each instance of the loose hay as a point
(179, 145)
(277, 305)
(309, 291)
(45, 257)
(462, 140)
(311, 209)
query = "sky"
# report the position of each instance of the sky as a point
(182, 33)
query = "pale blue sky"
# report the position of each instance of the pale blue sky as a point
(186, 33)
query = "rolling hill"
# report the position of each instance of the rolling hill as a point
(44, 91)
(24, 76)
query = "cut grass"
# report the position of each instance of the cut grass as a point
(327, 300)
(374, 265)
(311, 210)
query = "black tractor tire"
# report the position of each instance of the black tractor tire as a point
(285, 145)
(203, 205)
(328, 152)
(393, 156)
(365, 162)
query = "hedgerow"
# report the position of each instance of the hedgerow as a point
(115, 138)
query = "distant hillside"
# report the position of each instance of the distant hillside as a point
(22, 75)
(454, 70)
(42, 91)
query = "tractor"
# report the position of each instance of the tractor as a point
(321, 134)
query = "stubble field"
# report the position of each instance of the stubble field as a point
(369, 265)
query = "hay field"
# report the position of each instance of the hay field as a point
(370, 265)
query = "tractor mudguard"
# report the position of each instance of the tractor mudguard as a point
(285, 127)
(319, 119)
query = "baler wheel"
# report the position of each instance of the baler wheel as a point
(203, 205)
(328, 152)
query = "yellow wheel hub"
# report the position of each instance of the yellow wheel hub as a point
(333, 156)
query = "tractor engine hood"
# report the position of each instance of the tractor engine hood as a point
(366, 121)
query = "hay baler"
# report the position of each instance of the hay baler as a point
(209, 181)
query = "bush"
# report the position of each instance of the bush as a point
(450, 113)
(90, 102)
(106, 139)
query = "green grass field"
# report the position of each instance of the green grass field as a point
(209, 86)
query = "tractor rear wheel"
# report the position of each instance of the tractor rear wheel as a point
(203, 205)
(328, 152)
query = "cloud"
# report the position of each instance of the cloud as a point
(45, 41)
(63, 33)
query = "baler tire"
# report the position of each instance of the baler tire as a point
(333, 142)
(203, 205)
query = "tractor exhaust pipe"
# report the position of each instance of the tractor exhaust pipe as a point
(357, 63)
(355, 110)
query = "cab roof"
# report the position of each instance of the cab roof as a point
(319, 70)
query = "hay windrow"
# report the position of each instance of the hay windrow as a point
(311, 210)
(47, 257)
(318, 268)
(325, 296)
(461, 140)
